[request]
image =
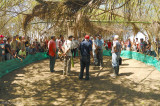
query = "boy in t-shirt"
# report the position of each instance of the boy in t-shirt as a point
(22, 53)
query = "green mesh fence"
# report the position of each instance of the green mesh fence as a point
(142, 57)
(11, 65)
(137, 56)
(107, 53)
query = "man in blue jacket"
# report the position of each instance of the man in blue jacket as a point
(86, 51)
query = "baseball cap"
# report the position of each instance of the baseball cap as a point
(116, 36)
(1, 36)
(87, 37)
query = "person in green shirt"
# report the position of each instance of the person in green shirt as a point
(22, 53)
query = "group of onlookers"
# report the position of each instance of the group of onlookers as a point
(19, 47)
(144, 46)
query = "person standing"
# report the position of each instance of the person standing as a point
(109, 44)
(75, 46)
(27, 44)
(116, 50)
(85, 50)
(14, 45)
(129, 45)
(8, 50)
(2, 49)
(141, 45)
(100, 51)
(137, 44)
(94, 50)
(21, 43)
(52, 52)
(60, 43)
(67, 55)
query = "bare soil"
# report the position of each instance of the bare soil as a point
(137, 85)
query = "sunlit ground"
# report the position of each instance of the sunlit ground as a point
(138, 84)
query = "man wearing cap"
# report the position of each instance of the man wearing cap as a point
(116, 50)
(85, 50)
(100, 51)
(2, 49)
(52, 52)
(67, 55)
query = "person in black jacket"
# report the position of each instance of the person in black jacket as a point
(86, 51)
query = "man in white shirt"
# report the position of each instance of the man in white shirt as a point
(67, 55)
(116, 51)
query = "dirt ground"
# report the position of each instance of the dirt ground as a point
(137, 85)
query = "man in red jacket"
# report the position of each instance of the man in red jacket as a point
(52, 52)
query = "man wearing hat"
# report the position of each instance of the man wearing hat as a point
(85, 50)
(67, 55)
(2, 49)
(116, 50)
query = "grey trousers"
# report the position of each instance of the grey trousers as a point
(2, 58)
(67, 65)
(9, 56)
(100, 57)
(115, 62)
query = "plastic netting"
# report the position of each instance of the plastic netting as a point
(11, 65)
(137, 56)
(142, 57)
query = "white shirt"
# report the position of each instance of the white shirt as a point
(68, 46)
(57, 43)
(137, 42)
(75, 44)
(94, 44)
(152, 49)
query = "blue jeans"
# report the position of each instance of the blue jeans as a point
(52, 62)
(27, 50)
(3, 58)
(8, 56)
(85, 62)
(115, 59)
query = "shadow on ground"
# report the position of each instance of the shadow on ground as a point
(35, 85)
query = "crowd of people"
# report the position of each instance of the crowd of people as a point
(144, 46)
(19, 47)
